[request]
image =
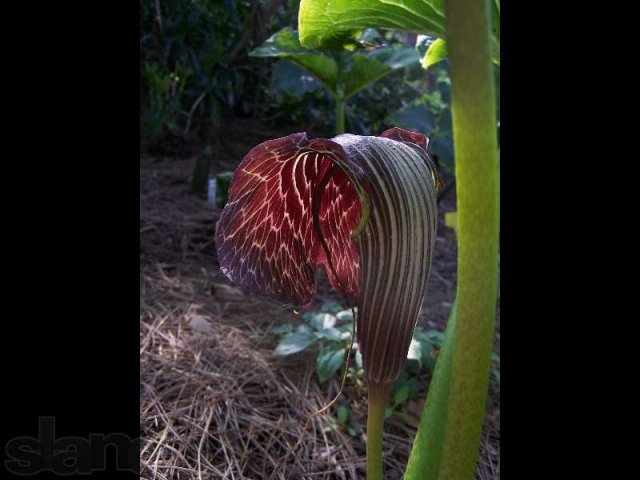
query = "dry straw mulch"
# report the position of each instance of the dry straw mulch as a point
(214, 402)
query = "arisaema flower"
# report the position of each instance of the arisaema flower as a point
(364, 207)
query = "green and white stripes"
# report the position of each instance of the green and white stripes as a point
(395, 247)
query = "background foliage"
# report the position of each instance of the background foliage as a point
(197, 76)
(194, 69)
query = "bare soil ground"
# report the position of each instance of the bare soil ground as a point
(215, 403)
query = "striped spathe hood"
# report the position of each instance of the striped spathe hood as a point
(362, 206)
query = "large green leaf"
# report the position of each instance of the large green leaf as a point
(324, 22)
(343, 73)
(395, 57)
(359, 72)
(294, 342)
(285, 44)
(320, 321)
(328, 361)
(417, 118)
(293, 80)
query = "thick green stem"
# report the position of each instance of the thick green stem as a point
(339, 115)
(426, 456)
(474, 128)
(378, 399)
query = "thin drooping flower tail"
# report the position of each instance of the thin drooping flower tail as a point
(273, 234)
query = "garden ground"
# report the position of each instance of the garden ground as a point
(215, 403)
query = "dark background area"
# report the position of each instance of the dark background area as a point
(70, 217)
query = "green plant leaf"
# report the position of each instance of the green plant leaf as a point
(370, 37)
(284, 328)
(417, 118)
(282, 44)
(285, 44)
(436, 337)
(294, 343)
(321, 321)
(324, 22)
(292, 80)
(345, 335)
(395, 57)
(436, 53)
(345, 315)
(328, 361)
(359, 72)
(332, 334)
(308, 316)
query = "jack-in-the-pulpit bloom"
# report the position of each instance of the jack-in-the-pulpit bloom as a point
(362, 206)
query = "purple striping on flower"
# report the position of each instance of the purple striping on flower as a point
(295, 204)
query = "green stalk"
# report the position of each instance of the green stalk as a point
(474, 127)
(426, 455)
(378, 398)
(339, 115)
